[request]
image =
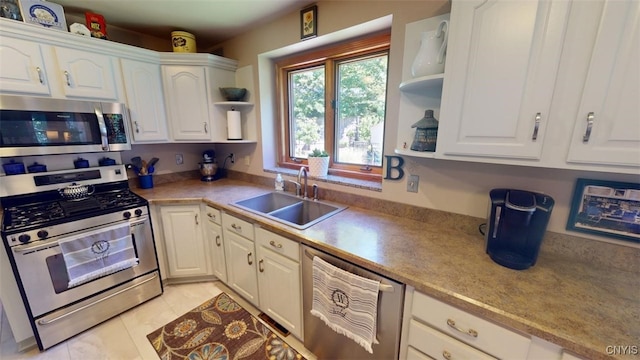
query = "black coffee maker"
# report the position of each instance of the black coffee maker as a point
(516, 225)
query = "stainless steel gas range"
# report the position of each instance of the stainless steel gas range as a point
(81, 248)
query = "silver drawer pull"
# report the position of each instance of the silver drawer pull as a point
(236, 227)
(206, 131)
(137, 127)
(446, 354)
(40, 75)
(587, 134)
(469, 332)
(275, 244)
(66, 75)
(534, 137)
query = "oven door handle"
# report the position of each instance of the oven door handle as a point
(47, 322)
(23, 249)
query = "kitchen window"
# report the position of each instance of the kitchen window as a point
(334, 99)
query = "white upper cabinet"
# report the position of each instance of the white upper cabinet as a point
(187, 94)
(86, 74)
(502, 61)
(143, 88)
(607, 124)
(22, 70)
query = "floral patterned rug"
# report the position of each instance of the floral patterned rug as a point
(219, 329)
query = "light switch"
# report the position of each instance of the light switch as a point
(412, 183)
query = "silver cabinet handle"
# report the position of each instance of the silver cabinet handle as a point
(469, 332)
(587, 134)
(275, 244)
(534, 137)
(40, 75)
(260, 267)
(137, 127)
(211, 216)
(249, 261)
(237, 228)
(197, 223)
(206, 131)
(446, 354)
(68, 77)
(218, 240)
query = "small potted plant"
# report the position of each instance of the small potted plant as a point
(318, 163)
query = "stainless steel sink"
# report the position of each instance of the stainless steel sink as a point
(288, 209)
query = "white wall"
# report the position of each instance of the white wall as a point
(454, 186)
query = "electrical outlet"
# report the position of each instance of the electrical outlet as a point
(412, 183)
(232, 158)
(179, 159)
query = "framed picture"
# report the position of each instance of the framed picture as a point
(309, 22)
(10, 9)
(606, 208)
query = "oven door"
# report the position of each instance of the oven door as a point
(43, 272)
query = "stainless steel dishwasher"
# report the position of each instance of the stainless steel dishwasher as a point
(328, 344)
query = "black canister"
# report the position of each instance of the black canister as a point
(36, 168)
(13, 168)
(105, 161)
(81, 163)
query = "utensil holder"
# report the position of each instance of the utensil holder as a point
(146, 181)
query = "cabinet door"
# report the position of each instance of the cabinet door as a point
(241, 266)
(218, 262)
(22, 70)
(280, 293)
(502, 60)
(186, 250)
(607, 130)
(145, 100)
(187, 102)
(87, 75)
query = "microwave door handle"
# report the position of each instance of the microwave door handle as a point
(103, 128)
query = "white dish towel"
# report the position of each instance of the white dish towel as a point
(98, 253)
(347, 303)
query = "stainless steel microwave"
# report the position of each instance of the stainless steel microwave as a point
(44, 126)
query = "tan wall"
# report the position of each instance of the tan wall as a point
(452, 186)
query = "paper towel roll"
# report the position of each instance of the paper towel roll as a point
(234, 125)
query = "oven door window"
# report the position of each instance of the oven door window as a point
(45, 128)
(59, 272)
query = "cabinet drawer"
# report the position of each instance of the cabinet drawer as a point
(214, 215)
(238, 226)
(486, 336)
(413, 354)
(440, 346)
(278, 244)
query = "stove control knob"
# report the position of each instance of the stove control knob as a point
(138, 212)
(24, 238)
(42, 234)
(126, 214)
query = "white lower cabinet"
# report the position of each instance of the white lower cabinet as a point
(186, 250)
(437, 330)
(240, 257)
(279, 280)
(216, 242)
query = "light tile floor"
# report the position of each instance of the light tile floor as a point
(125, 336)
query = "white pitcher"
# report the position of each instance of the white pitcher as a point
(433, 47)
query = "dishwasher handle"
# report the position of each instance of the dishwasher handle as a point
(383, 287)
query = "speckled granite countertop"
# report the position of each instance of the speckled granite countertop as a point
(576, 305)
